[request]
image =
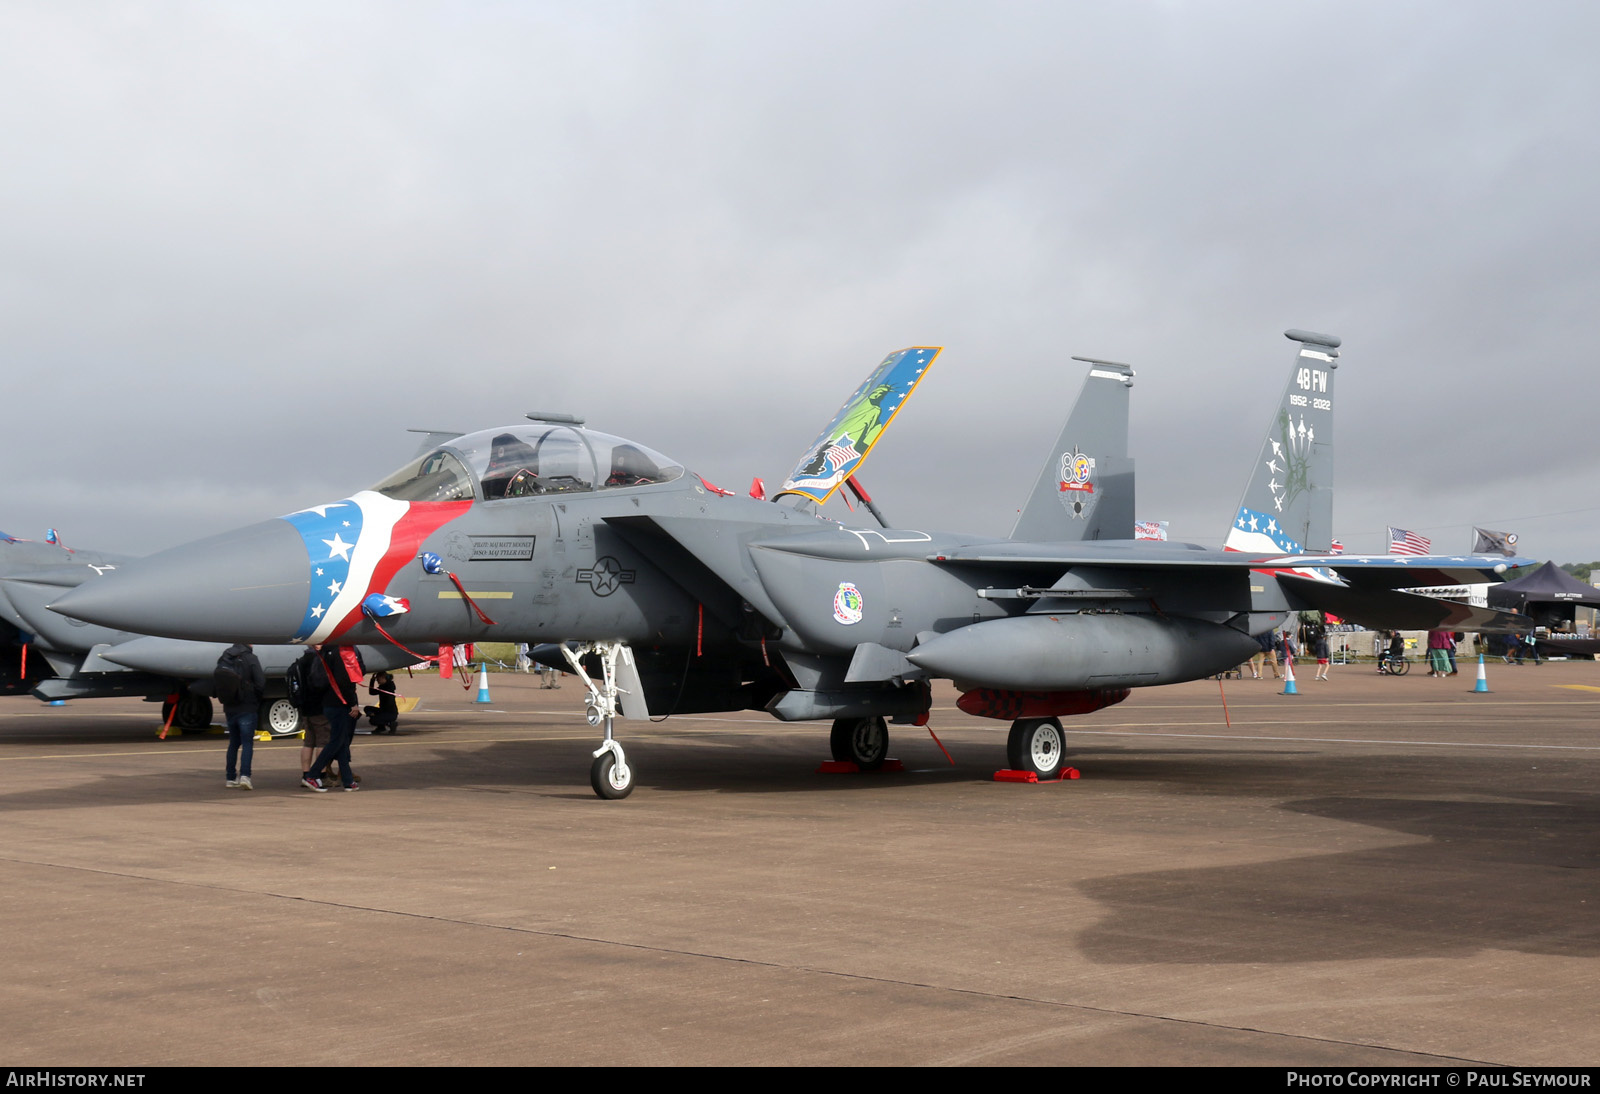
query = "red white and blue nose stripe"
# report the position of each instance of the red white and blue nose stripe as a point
(332, 535)
(353, 547)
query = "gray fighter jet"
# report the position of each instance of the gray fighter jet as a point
(54, 658)
(670, 596)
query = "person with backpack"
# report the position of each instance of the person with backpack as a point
(336, 673)
(308, 701)
(238, 684)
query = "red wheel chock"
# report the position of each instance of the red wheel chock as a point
(845, 767)
(1009, 776)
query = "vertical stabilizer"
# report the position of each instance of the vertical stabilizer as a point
(1085, 489)
(1288, 505)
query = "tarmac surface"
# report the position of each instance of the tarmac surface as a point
(1374, 871)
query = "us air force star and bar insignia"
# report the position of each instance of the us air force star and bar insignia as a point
(606, 576)
(1076, 483)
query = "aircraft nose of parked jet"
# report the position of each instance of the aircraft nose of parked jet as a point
(248, 585)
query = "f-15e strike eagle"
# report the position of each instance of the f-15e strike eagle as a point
(673, 597)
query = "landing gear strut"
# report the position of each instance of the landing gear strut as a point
(610, 774)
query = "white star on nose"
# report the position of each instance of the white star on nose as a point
(337, 546)
(333, 588)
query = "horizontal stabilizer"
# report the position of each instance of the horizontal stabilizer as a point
(1387, 609)
(1365, 572)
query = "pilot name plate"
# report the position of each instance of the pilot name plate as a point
(501, 548)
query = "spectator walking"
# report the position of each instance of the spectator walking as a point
(239, 683)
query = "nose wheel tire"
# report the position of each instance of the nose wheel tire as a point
(279, 718)
(608, 779)
(861, 741)
(1037, 745)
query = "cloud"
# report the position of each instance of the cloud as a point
(243, 247)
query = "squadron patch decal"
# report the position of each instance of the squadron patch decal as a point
(847, 604)
(1076, 484)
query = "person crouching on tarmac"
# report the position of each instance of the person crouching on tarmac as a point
(336, 673)
(385, 717)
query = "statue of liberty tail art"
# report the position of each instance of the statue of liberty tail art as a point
(842, 446)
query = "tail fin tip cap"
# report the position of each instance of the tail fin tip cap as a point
(1311, 337)
(1126, 370)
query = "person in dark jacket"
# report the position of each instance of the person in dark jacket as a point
(385, 717)
(239, 683)
(336, 674)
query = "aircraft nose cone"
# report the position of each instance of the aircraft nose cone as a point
(248, 585)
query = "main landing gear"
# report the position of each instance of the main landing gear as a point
(861, 741)
(193, 710)
(610, 774)
(1037, 745)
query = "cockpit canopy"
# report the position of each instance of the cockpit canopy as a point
(526, 461)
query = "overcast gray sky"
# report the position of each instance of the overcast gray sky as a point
(243, 246)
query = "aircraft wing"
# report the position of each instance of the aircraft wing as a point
(1363, 572)
(844, 443)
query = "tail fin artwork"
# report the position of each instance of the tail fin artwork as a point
(845, 442)
(1085, 489)
(1288, 504)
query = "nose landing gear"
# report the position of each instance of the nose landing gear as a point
(609, 775)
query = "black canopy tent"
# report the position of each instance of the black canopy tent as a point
(1548, 596)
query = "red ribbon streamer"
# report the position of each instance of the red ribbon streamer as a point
(467, 597)
(403, 648)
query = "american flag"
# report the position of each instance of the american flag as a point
(1402, 542)
(841, 454)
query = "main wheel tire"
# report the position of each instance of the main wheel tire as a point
(861, 741)
(1037, 745)
(194, 711)
(279, 718)
(604, 777)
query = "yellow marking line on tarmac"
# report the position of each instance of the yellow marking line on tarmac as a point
(1578, 687)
